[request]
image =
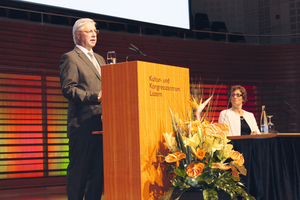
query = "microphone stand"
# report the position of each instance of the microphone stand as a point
(131, 55)
(292, 107)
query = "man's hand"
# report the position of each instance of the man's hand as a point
(100, 96)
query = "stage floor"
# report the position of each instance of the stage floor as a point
(41, 197)
(50, 193)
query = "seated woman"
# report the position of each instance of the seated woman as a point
(240, 122)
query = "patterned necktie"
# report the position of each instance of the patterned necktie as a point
(94, 61)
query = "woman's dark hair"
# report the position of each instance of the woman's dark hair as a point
(242, 89)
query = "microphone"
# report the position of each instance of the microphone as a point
(292, 107)
(135, 48)
(132, 49)
(138, 51)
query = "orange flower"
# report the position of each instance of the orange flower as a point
(241, 169)
(194, 169)
(237, 157)
(200, 153)
(221, 166)
(217, 130)
(235, 173)
(175, 157)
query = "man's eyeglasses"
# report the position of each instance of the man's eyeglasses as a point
(237, 95)
(91, 31)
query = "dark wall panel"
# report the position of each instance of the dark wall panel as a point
(34, 48)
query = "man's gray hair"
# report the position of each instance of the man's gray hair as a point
(78, 26)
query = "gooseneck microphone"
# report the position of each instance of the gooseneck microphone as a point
(135, 49)
(292, 107)
(132, 49)
(139, 52)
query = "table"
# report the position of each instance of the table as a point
(273, 165)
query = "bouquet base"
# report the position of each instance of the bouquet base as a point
(197, 194)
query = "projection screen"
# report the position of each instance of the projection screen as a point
(171, 13)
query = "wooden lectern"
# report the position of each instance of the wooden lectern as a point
(137, 97)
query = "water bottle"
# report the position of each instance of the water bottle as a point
(263, 121)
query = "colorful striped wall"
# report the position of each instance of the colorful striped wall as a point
(33, 115)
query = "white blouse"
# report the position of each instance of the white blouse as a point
(234, 122)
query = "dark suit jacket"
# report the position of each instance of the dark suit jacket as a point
(81, 84)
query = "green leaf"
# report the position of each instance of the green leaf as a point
(173, 121)
(168, 194)
(209, 180)
(181, 193)
(184, 186)
(181, 144)
(177, 181)
(179, 172)
(188, 155)
(210, 194)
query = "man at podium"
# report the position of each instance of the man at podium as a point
(80, 77)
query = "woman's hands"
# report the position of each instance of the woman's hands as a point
(253, 133)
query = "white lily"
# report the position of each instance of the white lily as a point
(170, 141)
(192, 141)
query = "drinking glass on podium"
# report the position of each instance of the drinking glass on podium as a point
(111, 57)
(271, 125)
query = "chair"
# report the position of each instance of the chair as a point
(218, 26)
(202, 23)
(199, 18)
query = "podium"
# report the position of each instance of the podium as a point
(136, 103)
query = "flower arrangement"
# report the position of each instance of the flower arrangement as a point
(201, 157)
